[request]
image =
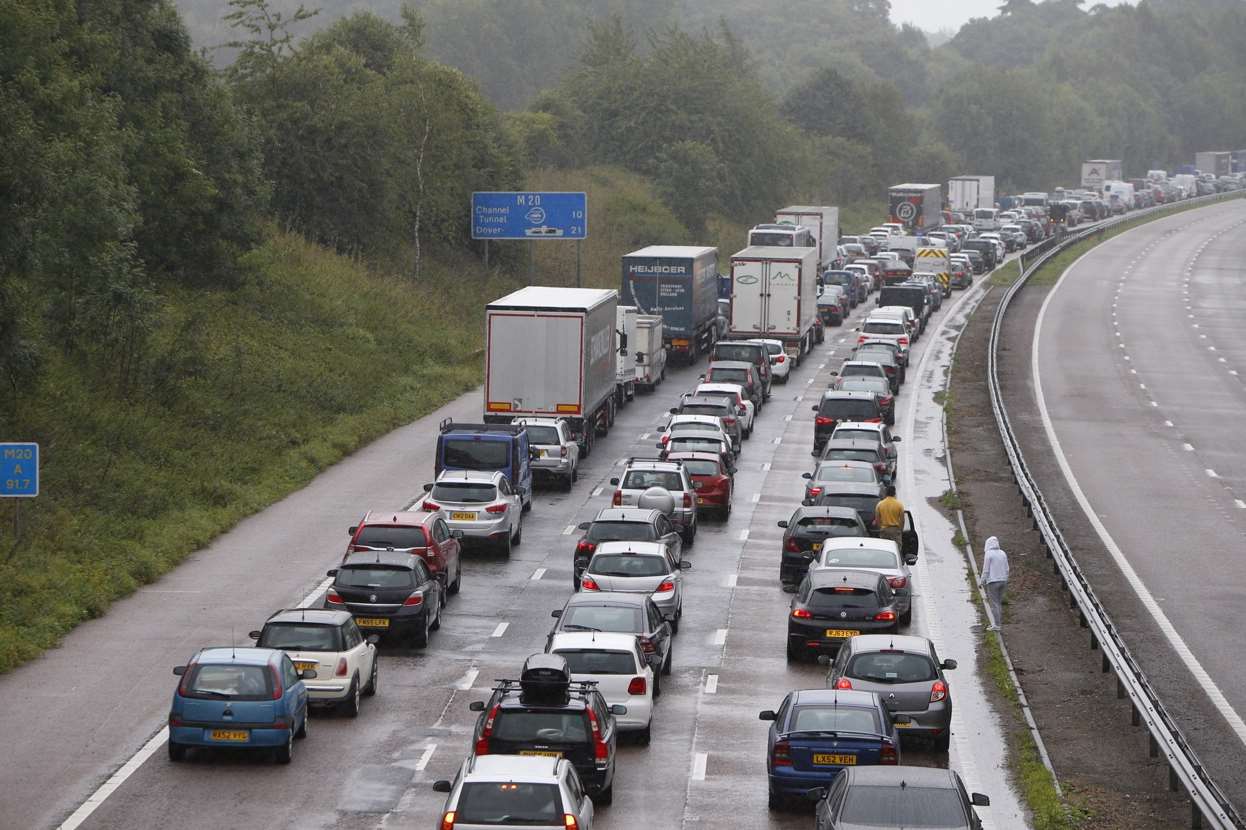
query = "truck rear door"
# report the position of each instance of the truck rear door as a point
(748, 286)
(783, 298)
(533, 365)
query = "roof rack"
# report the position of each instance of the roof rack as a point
(654, 459)
(450, 425)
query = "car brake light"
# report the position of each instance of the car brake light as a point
(618, 498)
(415, 599)
(333, 597)
(486, 731)
(823, 421)
(687, 500)
(601, 751)
(431, 506)
(897, 581)
(888, 755)
(814, 492)
(589, 584)
(843, 683)
(886, 401)
(885, 616)
(665, 439)
(447, 821)
(276, 682)
(938, 691)
(341, 667)
(637, 686)
(880, 467)
(570, 822)
(496, 509)
(729, 420)
(904, 341)
(781, 755)
(791, 547)
(563, 451)
(802, 614)
(667, 585)
(585, 546)
(280, 723)
(780, 358)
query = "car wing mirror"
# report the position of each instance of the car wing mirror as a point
(910, 559)
(428, 487)
(179, 670)
(685, 565)
(442, 786)
(979, 800)
(806, 475)
(331, 572)
(948, 665)
(583, 525)
(814, 408)
(476, 706)
(816, 794)
(782, 523)
(674, 410)
(614, 481)
(618, 709)
(766, 714)
(308, 674)
(254, 635)
(352, 530)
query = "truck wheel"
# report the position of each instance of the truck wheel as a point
(611, 408)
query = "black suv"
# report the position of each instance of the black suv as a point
(837, 405)
(985, 248)
(545, 713)
(389, 593)
(804, 533)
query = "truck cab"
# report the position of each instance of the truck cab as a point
(501, 447)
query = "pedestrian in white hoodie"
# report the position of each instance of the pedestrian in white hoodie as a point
(995, 580)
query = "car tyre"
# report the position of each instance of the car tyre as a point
(689, 537)
(420, 638)
(657, 686)
(646, 735)
(606, 797)
(517, 539)
(776, 802)
(304, 726)
(670, 660)
(284, 754)
(455, 587)
(370, 689)
(675, 625)
(504, 546)
(435, 625)
(944, 742)
(177, 752)
(350, 706)
(906, 619)
(793, 656)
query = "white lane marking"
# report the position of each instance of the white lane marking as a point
(756, 498)
(778, 439)
(809, 381)
(1142, 386)
(720, 637)
(698, 766)
(645, 436)
(306, 601)
(1168, 423)
(1147, 599)
(800, 398)
(500, 630)
(765, 468)
(537, 574)
(1211, 473)
(425, 757)
(568, 530)
(1241, 505)
(711, 684)
(744, 535)
(1188, 447)
(596, 492)
(787, 417)
(118, 778)
(821, 365)
(465, 682)
(729, 580)
(1232, 371)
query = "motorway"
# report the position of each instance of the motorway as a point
(86, 719)
(1140, 373)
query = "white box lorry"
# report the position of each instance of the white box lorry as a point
(625, 356)
(650, 352)
(966, 193)
(774, 294)
(822, 222)
(550, 352)
(1097, 171)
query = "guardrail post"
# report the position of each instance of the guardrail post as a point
(1196, 817)
(1120, 684)
(1081, 620)
(1135, 717)
(1152, 746)
(1173, 782)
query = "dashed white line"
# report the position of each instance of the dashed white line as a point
(1241, 505)
(596, 492)
(711, 684)
(787, 417)
(1168, 423)
(743, 537)
(765, 467)
(1142, 386)
(698, 766)
(646, 436)
(720, 637)
(465, 682)
(568, 530)
(500, 630)
(1211, 473)
(425, 757)
(537, 574)
(756, 497)
(729, 581)
(1188, 447)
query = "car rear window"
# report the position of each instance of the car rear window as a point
(619, 619)
(848, 409)
(695, 443)
(852, 455)
(644, 479)
(628, 564)
(301, 637)
(464, 492)
(209, 680)
(472, 454)
(822, 522)
(737, 351)
(729, 375)
(859, 557)
(856, 371)
(773, 348)
(855, 435)
(827, 599)
(621, 532)
(841, 472)
(697, 467)
(591, 661)
(702, 409)
(907, 807)
(861, 504)
(541, 727)
(834, 719)
(543, 435)
(882, 327)
(695, 426)
(375, 577)
(507, 804)
(892, 667)
(392, 536)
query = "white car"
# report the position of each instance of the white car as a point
(780, 364)
(481, 504)
(868, 430)
(329, 642)
(744, 405)
(618, 666)
(640, 568)
(1001, 250)
(557, 453)
(542, 793)
(707, 424)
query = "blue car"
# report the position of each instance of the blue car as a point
(239, 698)
(818, 732)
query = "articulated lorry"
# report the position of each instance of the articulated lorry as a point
(918, 207)
(1216, 162)
(774, 295)
(550, 352)
(967, 193)
(625, 355)
(822, 222)
(679, 283)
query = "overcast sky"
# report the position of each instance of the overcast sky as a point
(952, 14)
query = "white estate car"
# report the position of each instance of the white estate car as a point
(481, 504)
(545, 792)
(742, 402)
(780, 363)
(556, 452)
(616, 663)
(328, 641)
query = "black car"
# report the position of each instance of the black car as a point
(388, 593)
(985, 248)
(862, 498)
(545, 713)
(874, 796)
(625, 524)
(976, 260)
(748, 352)
(717, 406)
(621, 613)
(804, 533)
(910, 295)
(900, 353)
(831, 308)
(833, 605)
(837, 406)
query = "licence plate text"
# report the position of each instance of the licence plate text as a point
(234, 735)
(541, 753)
(371, 622)
(826, 759)
(463, 517)
(833, 632)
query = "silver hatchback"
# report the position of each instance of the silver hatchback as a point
(640, 474)
(639, 568)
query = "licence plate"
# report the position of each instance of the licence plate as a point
(542, 453)
(304, 666)
(235, 735)
(839, 632)
(463, 517)
(825, 759)
(542, 753)
(908, 725)
(371, 622)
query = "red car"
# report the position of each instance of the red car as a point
(710, 478)
(421, 533)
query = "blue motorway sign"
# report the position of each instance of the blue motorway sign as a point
(19, 470)
(514, 215)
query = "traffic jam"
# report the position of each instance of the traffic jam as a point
(562, 366)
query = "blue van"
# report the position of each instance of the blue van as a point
(502, 447)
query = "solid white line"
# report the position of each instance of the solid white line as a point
(756, 498)
(744, 535)
(500, 630)
(1241, 505)
(425, 757)
(306, 601)
(1131, 576)
(465, 682)
(568, 530)
(711, 684)
(118, 778)
(698, 766)
(729, 580)
(1168, 423)
(596, 492)
(537, 574)
(720, 637)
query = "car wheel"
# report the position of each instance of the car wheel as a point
(645, 736)
(793, 656)
(675, 625)
(670, 660)
(420, 638)
(370, 689)
(569, 484)
(906, 619)
(943, 742)
(457, 584)
(305, 725)
(177, 752)
(727, 509)
(435, 625)
(504, 546)
(689, 537)
(283, 754)
(517, 539)
(775, 801)
(657, 686)
(527, 505)
(606, 797)
(350, 706)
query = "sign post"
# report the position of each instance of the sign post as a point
(530, 215)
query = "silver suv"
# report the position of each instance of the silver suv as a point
(642, 473)
(546, 792)
(481, 504)
(555, 453)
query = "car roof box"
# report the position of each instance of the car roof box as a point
(545, 679)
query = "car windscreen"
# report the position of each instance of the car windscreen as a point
(398, 537)
(542, 435)
(592, 661)
(628, 564)
(464, 492)
(508, 804)
(620, 619)
(739, 376)
(834, 454)
(697, 467)
(883, 327)
(301, 637)
(834, 719)
(208, 680)
(907, 807)
(470, 454)
(859, 503)
(621, 532)
(375, 577)
(746, 352)
(543, 727)
(845, 472)
(834, 599)
(893, 667)
(848, 409)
